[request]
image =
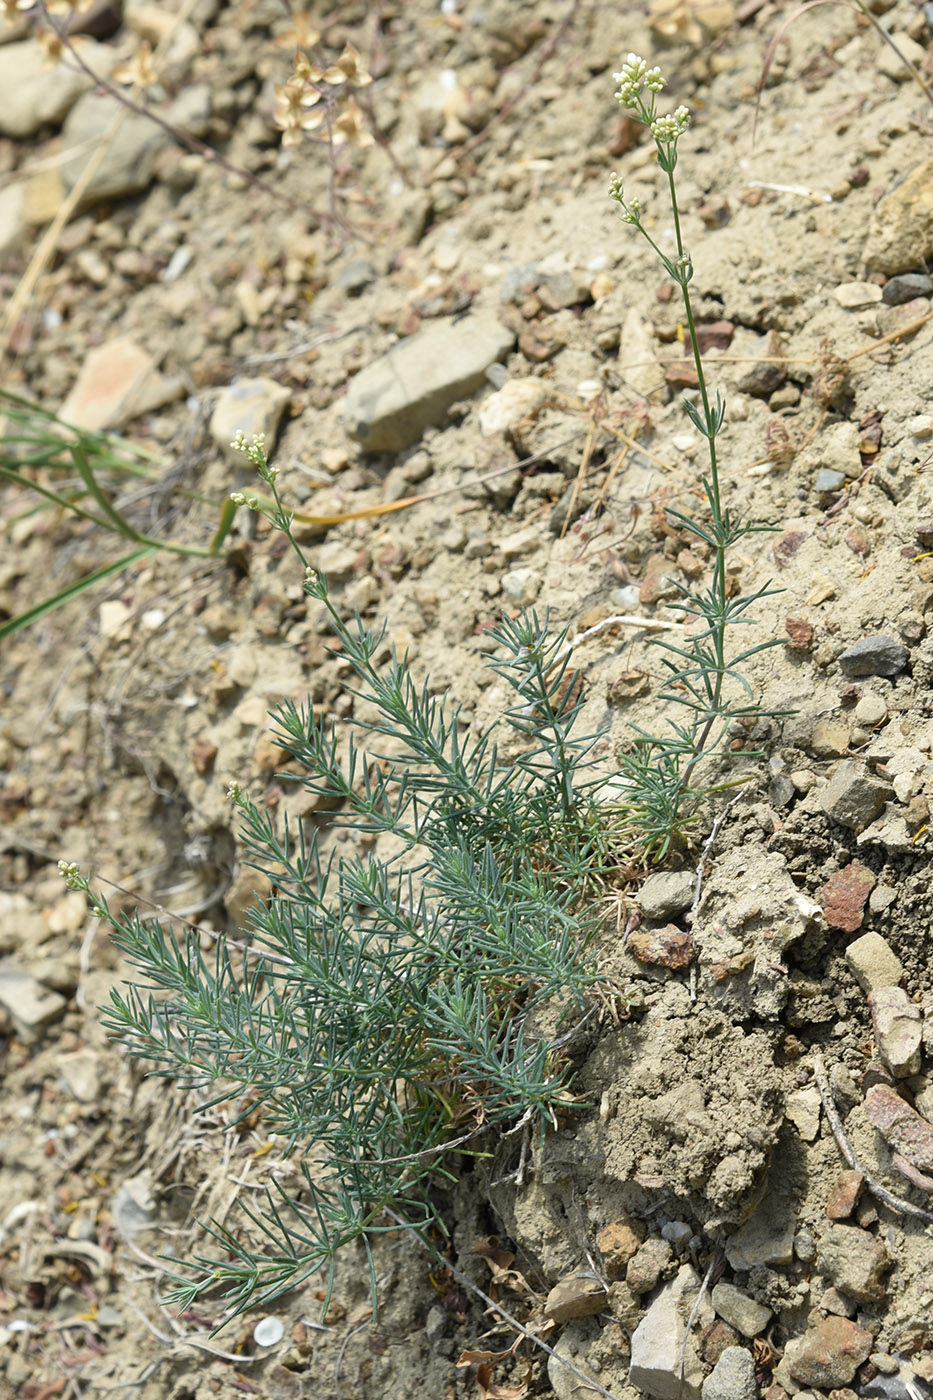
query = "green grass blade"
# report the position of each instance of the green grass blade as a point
(25, 619)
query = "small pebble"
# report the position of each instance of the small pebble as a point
(905, 287)
(853, 296)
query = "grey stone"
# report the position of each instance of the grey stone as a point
(250, 406)
(356, 277)
(31, 1007)
(571, 1347)
(828, 479)
(853, 797)
(647, 1264)
(35, 95)
(658, 1341)
(877, 655)
(733, 1376)
(873, 962)
(740, 1311)
(767, 1237)
(901, 234)
(855, 1262)
(135, 146)
(908, 285)
(79, 1069)
(521, 586)
(666, 894)
(391, 402)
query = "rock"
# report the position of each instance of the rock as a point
(828, 739)
(870, 710)
(21, 924)
(751, 912)
(767, 1237)
(133, 150)
(356, 277)
(901, 234)
(733, 1376)
(35, 95)
(646, 1266)
(618, 1243)
(844, 1195)
(570, 1347)
(668, 947)
(13, 223)
(763, 378)
(877, 655)
(829, 1354)
(828, 479)
(854, 296)
(855, 1262)
(521, 586)
(637, 362)
(79, 1069)
(31, 1007)
(890, 60)
(853, 797)
(666, 894)
(902, 1128)
(873, 962)
(898, 1030)
(658, 1351)
(843, 897)
(390, 403)
(248, 406)
(522, 542)
(897, 290)
(803, 1110)
(578, 1295)
(117, 382)
(740, 1311)
(504, 409)
(336, 560)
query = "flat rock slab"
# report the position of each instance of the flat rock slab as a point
(391, 402)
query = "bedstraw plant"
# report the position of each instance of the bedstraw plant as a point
(702, 677)
(383, 1009)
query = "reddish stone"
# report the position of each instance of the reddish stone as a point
(901, 1127)
(715, 335)
(681, 374)
(539, 342)
(203, 753)
(800, 632)
(829, 1354)
(689, 564)
(618, 1243)
(857, 540)
(786, 547)
(715, 1339)
(663, 947)
(844, 1195)
(843, 897)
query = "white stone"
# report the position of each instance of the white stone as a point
(250, 407)
(854, 296)
(510, 404)
(35, 95)
(658, 1341)
(521, 586)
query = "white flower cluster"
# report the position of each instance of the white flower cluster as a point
(311, 576)
(70, 872)
(634, 75)
(631, 209)
(234, 792)
(253, 447)
(666, 130)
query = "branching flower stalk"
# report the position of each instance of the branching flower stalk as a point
(660, 770)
